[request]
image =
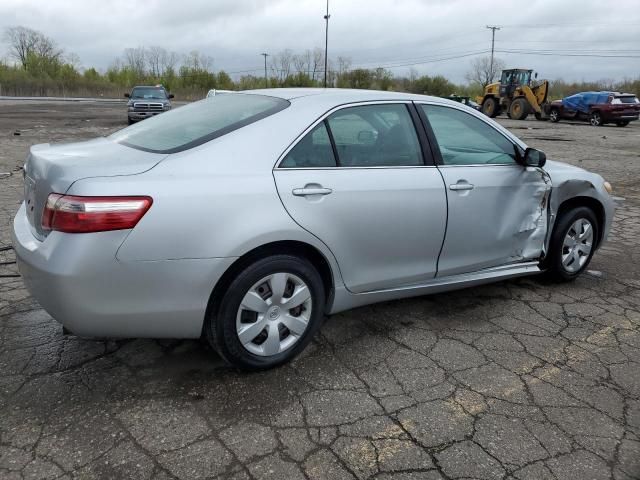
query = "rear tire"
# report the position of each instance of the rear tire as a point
(519, 109)
(623, 123)
(490, 107)
(252, 327)
(572, 244)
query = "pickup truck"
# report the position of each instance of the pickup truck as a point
(145, 102)
(598, 108)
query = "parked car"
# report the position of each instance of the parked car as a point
(598, 108)
(213, 92)
(247, 218)
(145, 102)
(464, 100)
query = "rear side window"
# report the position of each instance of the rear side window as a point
(628, 100)
(199, 122)
(313, 151)
(375, 135)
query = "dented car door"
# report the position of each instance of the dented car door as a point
(497, 208)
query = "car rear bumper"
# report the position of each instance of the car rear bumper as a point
(79, 282)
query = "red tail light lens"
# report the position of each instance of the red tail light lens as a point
(74, 214)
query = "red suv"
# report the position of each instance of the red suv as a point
(596, 107)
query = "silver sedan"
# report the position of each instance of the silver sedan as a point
(247, 218)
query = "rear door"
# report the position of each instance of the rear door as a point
(358, 180)
(497, 208)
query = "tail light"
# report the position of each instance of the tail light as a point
(74, 214)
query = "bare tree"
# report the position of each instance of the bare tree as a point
(344, 64)
(481, 71)
(73, 59)
(318, 62)
(154, 56)
(198, 61)
(302, 62)
(24, 42)
(281, 64)
(134, 59)
(168, 61)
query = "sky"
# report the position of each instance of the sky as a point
(556, 38)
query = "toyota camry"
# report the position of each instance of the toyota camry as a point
(247, 218)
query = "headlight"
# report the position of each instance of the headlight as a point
(608, 187)
(167, 107)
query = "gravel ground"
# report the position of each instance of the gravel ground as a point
(520, 379)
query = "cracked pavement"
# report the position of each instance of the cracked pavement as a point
(521, 379)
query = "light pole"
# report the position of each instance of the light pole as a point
(266, 79)
(493, 42)
(326, 43)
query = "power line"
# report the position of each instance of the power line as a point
(554, 54)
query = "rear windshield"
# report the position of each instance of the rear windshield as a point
(627, 99)
(199, 122)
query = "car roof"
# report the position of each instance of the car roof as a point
(341, 95)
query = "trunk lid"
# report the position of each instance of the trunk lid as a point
(54, 168)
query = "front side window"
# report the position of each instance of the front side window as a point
(313, 151)
(198, 122)
(375, 135)
(466, 140)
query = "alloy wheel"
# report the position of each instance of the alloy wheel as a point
(274, 314)
(595, 120)
(577, 245)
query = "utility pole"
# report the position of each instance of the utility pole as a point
(326, 43)
(266, 79)
(493, 29)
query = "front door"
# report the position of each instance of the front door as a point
(358, 181)
(497, 208)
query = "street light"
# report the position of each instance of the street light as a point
(266, 79)
(326, 43)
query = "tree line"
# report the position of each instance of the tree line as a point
(41, 68)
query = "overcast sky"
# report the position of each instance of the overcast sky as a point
(390, 33)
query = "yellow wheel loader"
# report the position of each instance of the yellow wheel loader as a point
(515, 94)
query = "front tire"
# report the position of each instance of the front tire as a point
(554, 115)
(572, 244)
(268, 313)
(519, 109)
(596, 119)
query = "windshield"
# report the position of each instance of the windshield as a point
(627, 99)
(148, 93)
(198, 122)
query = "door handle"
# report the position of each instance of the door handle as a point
(303, 192)
(461, 186)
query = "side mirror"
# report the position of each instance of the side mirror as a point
(171, 95)
(534, 158)
(126, 95)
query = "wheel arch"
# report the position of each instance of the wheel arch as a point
(288, 247)
(585, 201)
